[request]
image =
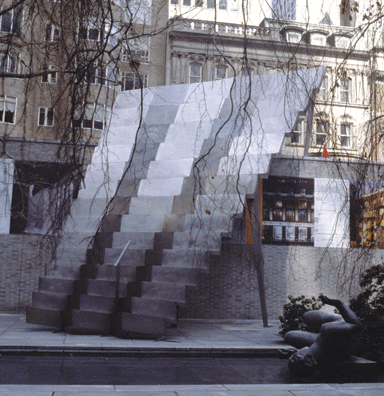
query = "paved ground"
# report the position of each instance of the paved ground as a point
(218, 338)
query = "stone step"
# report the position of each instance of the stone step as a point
(57, 285)
(174, 275)
(154, 205)
(166, 187)
(108, 272)
(199, 239)
(131, 325)
(47, 317)
(53, 301)
(152, 307)
(188, 258)
(142, 223)
(96, 303)
(163, 291)
(89, 322)
(105, 288)
(132, 257)
(168, 169)
(139, 240)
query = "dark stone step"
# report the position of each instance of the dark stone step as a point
(57, 285)
(54, 301)
(46, 317)
(158, 290)
(108, 272)
(106, 288)
(89, 322)
(156, 308)
(181, 275)
(128, 325)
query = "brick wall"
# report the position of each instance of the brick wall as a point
(22, 263)
(230, 289)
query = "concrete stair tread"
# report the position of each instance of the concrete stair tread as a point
(154, 307)
(140, 326)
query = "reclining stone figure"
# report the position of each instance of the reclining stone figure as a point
(327, 340)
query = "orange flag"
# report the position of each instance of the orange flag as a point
(325, 153)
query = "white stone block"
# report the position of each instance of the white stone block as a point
(151, 205)
(161, 187)
(244, 164)
(169, 168)
(141, 223)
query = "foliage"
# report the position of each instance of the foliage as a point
(293, 311)
(369, 307)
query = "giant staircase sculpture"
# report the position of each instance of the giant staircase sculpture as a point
(174, 172)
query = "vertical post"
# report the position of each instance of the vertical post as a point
(258, 247)
(117, 265)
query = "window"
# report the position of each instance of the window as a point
(174, 2)
(297, 134)
(11, 21)
(344, 89)
(221, 72)
(194, 73)
(52, 33)
(211, 3)
(89, 31)
(111, 32)
(321, 132)
(293, 36)
(284, 9)
(138, 50)
(323, 91)
(8, 63)
(233, 5)
(345, 135)
(7, 109)
(46, 116)
(134, 81)
(222, 4)
(187, 2)
(50, 78)
(94, 116)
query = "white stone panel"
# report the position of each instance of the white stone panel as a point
(331, 213)
(142, 223)
(244, 164)
(161, 187)
(170, 169)
(153, 205)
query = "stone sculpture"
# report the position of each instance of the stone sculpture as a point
(327, 340)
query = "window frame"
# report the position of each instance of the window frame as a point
(85, 122)
(299, 131)
(194, 78)
(3, 115)
(347, 136)
(18, 18)
(324, 132)
(9, 58)
(47, 121)
(225, 72)
(138, 80)
(49, 77)
(86, 25)
(323, 89)
(50, 33)
(345, 92)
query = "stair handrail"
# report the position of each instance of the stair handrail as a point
(117, 265)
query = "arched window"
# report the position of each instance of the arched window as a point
(221, 72)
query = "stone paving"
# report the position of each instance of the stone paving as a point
(208, 336)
